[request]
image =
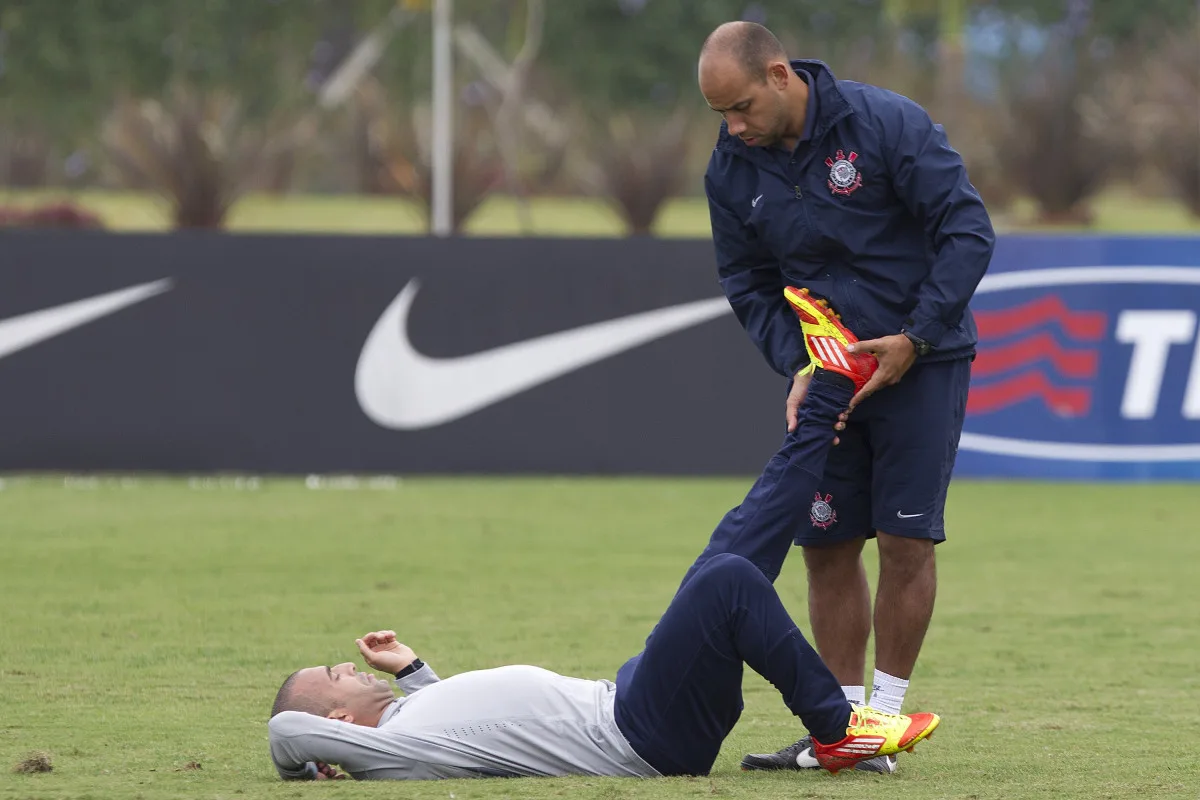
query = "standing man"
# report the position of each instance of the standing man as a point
(853, 193)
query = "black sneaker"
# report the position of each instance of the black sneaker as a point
(799, 756)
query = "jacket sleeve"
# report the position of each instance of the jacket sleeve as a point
(418, 680)
(751, 279)
(299, 740)
(930, 179)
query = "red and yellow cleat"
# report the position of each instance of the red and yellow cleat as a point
(873, 733)
(825, 338)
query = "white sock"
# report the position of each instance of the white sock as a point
(887, 694)
(855, 694)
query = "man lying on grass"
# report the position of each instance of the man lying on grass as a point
(671, 705)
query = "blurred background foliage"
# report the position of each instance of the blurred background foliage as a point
(202, 102)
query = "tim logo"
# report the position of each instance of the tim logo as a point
(1087, 364)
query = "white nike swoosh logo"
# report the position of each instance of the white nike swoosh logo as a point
(754, 202)
(909, 516)
(26, 330)
(399, 388)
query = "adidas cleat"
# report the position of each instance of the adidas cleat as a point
(873, 733)
(799, 756)
(826, 338)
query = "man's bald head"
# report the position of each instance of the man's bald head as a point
(745, 75)
(339, 692)
(744, 45)
(299, 693)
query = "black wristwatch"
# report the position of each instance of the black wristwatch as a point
(410, 669)
(923, 347)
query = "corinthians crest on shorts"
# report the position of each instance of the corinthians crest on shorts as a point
(822, 514)
(844, 177)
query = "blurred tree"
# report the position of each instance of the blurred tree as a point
(52, 62)
(1116, 19)
(51, 65)
(396, 151)
(642, 53)
(1054, 151)
(68, 58)
(639, 164)
(406, 69)
(65, 63)
(1157, 103)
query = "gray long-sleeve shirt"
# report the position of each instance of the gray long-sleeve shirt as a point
(504, 722)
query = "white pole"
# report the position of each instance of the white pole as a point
(442, 201)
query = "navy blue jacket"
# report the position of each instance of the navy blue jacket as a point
(874, 212)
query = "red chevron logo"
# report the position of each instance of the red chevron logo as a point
(1087, 325)
(1040, 346)
(1013, 364)
(1064, 401)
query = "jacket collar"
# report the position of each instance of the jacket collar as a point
(832, 108)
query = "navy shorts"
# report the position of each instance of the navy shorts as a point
(892, 469)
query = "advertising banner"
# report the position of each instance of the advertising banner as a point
(292, 354)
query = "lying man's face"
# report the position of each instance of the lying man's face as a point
(343, 693)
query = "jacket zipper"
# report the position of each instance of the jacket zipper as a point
(798, 193)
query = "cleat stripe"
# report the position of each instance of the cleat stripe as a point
(836, 347)
(820, 350)
(815, 341)
(819, 345)
(831, 351)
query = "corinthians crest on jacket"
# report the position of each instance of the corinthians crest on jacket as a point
(844, 177)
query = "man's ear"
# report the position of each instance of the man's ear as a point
(341, 715)
(779, 73)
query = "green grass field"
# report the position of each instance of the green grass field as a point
(1118, 210)
(146, 626)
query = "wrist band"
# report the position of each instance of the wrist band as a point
(410, 669)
